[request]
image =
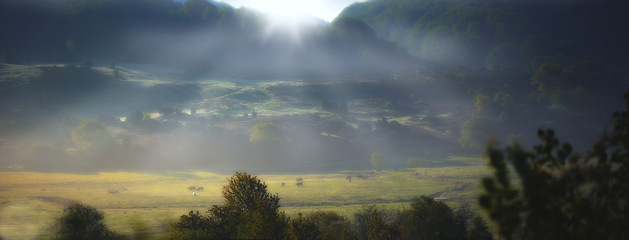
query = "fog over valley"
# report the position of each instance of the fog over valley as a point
(149, 109)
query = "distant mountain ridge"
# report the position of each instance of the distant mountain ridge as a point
(491, 33)
(204, 38)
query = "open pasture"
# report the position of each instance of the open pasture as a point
(30, 201)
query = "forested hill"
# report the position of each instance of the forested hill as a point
(497, 34)
(200, 36)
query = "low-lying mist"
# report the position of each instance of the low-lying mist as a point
(162, 85)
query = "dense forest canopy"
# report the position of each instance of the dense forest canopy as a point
(478, 34)
(485, 33)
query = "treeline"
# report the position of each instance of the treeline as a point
(200, 36)
(251, 212)
(501, 34)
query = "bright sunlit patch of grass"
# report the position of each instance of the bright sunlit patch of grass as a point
(160, 198)
(24, 219)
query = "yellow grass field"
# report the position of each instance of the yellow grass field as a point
(30, 202)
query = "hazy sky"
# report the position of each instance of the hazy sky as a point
(324, 9)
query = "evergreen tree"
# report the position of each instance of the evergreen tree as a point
(561, 194)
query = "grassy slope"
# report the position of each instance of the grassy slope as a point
(31, 201)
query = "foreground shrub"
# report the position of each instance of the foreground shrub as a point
(82, 222)
(560, 194)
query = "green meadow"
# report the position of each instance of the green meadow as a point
(32, 201)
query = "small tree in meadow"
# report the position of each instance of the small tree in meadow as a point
(82, 222)
(249, 212)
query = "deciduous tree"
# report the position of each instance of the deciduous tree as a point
(249, 212)
(82, 222)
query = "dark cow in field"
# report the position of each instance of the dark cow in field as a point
(300, 184)
(300, 179)
(349, 178)
(200, 189)
(192, 188)
(283, 184)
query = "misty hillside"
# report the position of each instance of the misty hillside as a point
(399, 119)
(496, 34)
(198, 36)
(195, 84)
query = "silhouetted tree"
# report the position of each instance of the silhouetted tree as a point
(561, 194)
(249, 212)
(365, 222)
(319, 225)
(192, 226)
(82, 222)
(377, 228)
(478, 229)
(331, 225)
(429, 219)
(302, 228)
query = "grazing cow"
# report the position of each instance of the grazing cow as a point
(192, 188)
(200, 189)
(300, 184)
(360, 177)
(349, 178)
(300, 179)
(283, 184)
